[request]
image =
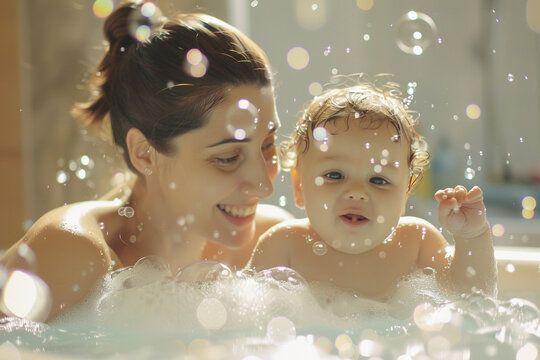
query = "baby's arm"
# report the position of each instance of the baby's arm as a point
(463, 214)
(273, 247)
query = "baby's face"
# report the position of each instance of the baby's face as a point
(354, 188)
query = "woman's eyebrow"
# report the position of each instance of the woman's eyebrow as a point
(233, 140)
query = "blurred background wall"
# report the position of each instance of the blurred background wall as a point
(470, 67)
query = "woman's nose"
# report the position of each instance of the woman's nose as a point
(258, 182)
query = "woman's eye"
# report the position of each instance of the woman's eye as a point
(228, 160)
(334, 175)
(378, 181)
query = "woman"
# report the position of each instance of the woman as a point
(191, 106)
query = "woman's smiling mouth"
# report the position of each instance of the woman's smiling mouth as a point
(238, 215)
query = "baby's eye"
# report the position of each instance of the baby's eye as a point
(268, 146)
(378, 181)
(334, 175)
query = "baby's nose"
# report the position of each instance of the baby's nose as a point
(356, 194)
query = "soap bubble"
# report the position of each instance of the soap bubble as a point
(469, 173)
(283, 277)
(320, 248)
(204, 271)
(416, 31)
(144, 19)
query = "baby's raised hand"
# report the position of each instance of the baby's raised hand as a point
(462, 212)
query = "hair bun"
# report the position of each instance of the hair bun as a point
(132, 21)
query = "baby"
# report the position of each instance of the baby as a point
(354, 158)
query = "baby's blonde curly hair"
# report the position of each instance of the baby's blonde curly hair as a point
(363, 98)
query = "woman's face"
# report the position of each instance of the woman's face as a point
(212, 185)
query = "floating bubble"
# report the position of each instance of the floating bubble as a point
(415, 32)
(320, 133)
(102, 8)
(282, 201)
(469, 173)
(254, 3)
(25, 295)
(144, 20)
(364, 4)
(473, 111)
(319, 181)
(320, 248)
(284, 276)
(497, 230)
(366, 37)
(323, 147)
(204, 271)
(280, 330)
(327, 51)
(510, 268)
(510, 77)
(62, 177)
(241, 120)
(211, 314)
(315, 88)
(377, 168)
(298, 58)
(239, 134)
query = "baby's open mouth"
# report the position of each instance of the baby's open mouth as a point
(353, 219)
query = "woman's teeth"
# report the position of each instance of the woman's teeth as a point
(238, 211)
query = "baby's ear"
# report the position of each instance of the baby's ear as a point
(297, 188)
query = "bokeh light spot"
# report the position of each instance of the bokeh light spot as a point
(497, 230)
(320, 133)
(473, 111)
(528, 203)
(533, 15)
(298, 58)
(364, 4)
(315, 88)
(102, 8)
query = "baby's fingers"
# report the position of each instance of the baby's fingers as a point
(475, 194)
(448, 207)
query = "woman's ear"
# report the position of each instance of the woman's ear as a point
(297, 188)
(140, 151)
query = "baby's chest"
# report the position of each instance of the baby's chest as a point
(371, 274)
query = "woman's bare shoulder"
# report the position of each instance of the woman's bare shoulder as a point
(66, 249)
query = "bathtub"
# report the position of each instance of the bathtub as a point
(488, 328)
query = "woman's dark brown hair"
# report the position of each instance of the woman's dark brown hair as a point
(147, 84)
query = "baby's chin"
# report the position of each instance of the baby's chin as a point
(353, 246)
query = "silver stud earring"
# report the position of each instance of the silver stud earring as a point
(148, 171)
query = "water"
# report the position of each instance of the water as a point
(209, 312)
